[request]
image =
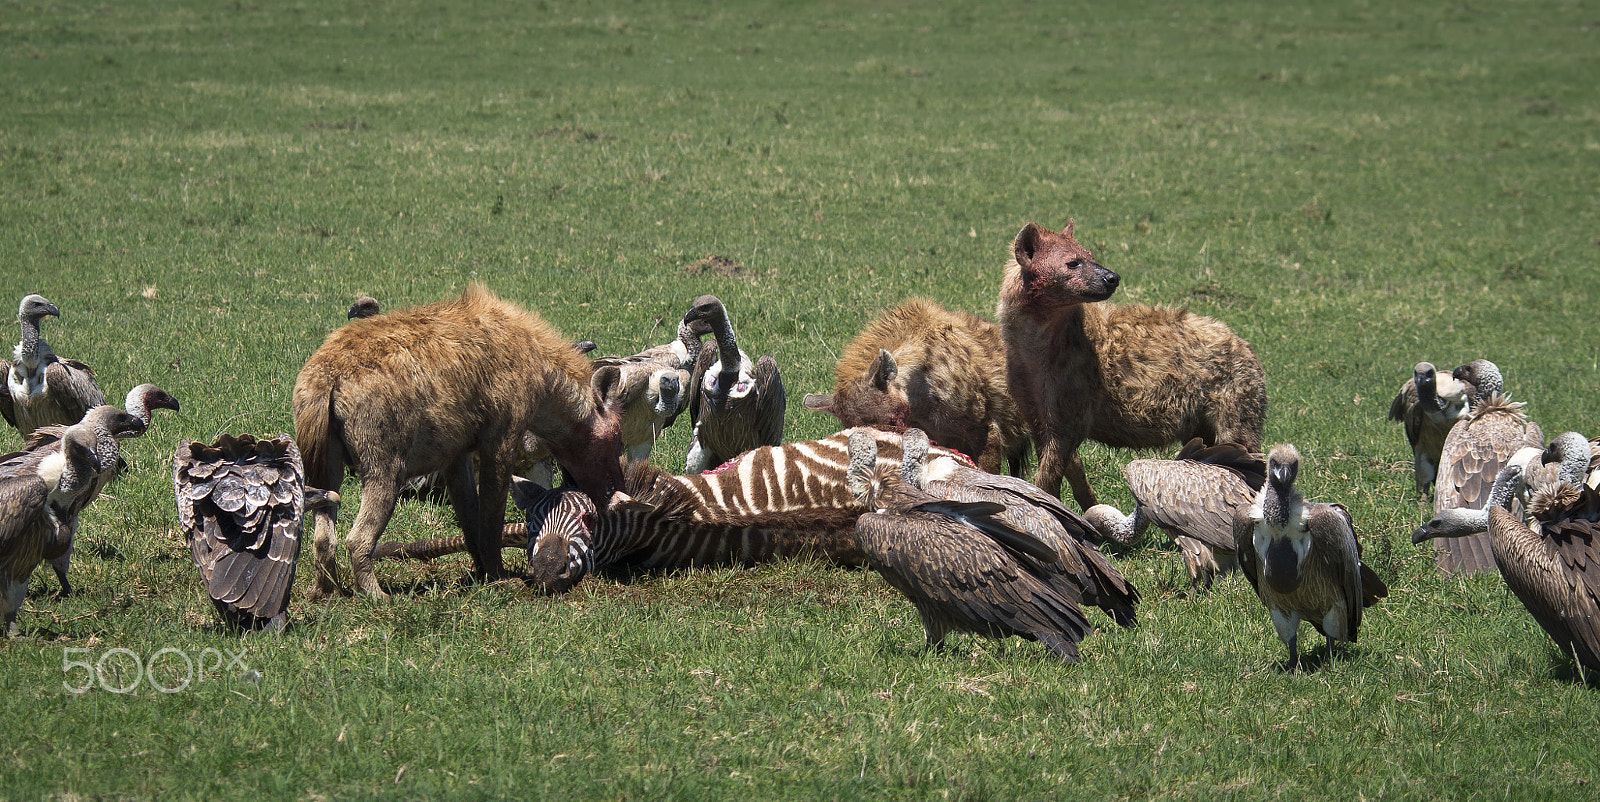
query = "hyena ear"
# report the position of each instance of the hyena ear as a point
(1068, 229)
(606, 381)
(883, 370)
(1025, 246)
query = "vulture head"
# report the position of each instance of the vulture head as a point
(35, 307)
(146, 397)
(1571, 451)
(366, 306)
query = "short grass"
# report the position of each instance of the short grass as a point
(202, 188)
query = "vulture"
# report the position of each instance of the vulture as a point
(1303, 559)
(1429, 405)
(1474, 452)
(1552, 563)
(1193, 498)
(41, 388)
(1462, 522)
(240, 503)
(41, 494)
(366, 306)
(139, 403)
(1094, 580)
(1578, 457)
(734, 404)
(960, 565)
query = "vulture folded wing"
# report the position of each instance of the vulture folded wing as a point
(1474, 452)
(1538, 568)
(1194, 498)
(958, 580)
(72, 388)
(22, 499)
(768, 420)
(7, 410)
(1577, 545)
(240, 502)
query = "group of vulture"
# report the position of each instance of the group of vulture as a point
(1503, 499)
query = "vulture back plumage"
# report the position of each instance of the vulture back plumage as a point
(959, 564)
(1192, 497)
(240, 503)
(1473, 454)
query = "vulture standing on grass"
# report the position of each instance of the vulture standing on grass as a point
(41, 388)
(1094, 580)
(735, 405)
(1429, 405)
(959, 564)
(1193, 498)
(1552, 566)
(41, 494)
(1303, 559)
(240, 503)
(138, 403)
(1473, 454)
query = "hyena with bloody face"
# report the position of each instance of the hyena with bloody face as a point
(1126, 375)
(426, 390)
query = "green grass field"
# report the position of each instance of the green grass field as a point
(203, 188)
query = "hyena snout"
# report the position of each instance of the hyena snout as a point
(1097, 282)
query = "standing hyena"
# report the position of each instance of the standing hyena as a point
(422, 390)
(1127, 375)
(921, 365)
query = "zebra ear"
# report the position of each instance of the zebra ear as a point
(820, 402)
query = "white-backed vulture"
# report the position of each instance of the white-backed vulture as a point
(40, 493)
(1577, 457)
(241, 502)
(366, 306)
(1462, 522)
(1303, 559)
(1474, 452)
(1193, 498)
(138, 403)
(735, 405)
(961, 567)
(1092, 578)
(42, 388)
(1552, 566)
(1429, 405)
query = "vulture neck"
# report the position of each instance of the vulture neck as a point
(134, 404)
(1428, 395)
(687, 348)
(727, 344)
(1278, 504)
(33, 349)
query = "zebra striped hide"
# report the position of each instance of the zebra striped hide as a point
(771, 503)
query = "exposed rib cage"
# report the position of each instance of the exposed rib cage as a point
(770, 503)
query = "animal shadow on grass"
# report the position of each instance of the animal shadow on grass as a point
(1566, 669)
